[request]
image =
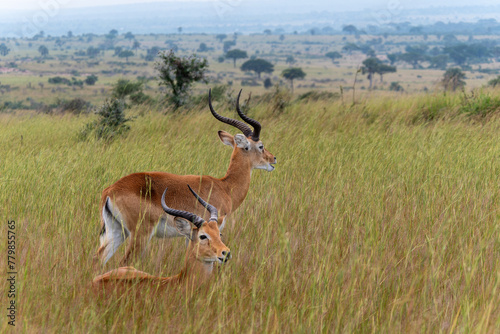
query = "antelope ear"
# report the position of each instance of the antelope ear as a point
(183, 226)
(226, 138)
(241, 141)
(221, 222)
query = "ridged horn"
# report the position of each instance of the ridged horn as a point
(237, 124)
(196, 220)
(256, 125)
(213, 211)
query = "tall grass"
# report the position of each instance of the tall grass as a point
(374, 220)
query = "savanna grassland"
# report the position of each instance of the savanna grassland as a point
(382, 216)
(25, 73)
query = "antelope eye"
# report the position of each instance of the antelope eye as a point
(220, 235)
(203, 237)
(261, 147)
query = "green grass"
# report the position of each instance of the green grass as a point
(374, 220)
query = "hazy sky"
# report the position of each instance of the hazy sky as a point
(6, 5)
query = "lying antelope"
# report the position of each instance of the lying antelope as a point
(136, 198)
(204, 249)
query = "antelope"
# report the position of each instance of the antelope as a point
(204, 249)
(136, 206)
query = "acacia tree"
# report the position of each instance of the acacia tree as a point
(333, 55)
(221, 37)
(236, 54)
(136, 46)
(4, 50)
(383, 69)
(258, 66)
(125, 54)
(350, 29)
(129, 36)
(43, 50)
(373, 66)
(178, 74)
(293, 73)
(370, 67)
(453, 78)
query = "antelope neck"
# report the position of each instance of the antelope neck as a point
(237, 179)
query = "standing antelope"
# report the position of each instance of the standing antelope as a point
(204, 249)
(136, 198)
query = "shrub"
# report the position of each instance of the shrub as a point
(479, 103)
(111, 122)
(91, 80)
(123, 88)
(318, 95)
(494, 82)
(268, 83)
(396, 87)
(75, 106)
(59, 80)
(278, 100)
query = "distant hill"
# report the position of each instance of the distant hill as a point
(228, 17)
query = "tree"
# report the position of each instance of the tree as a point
(136, 46)
(93, 51)
(220, 37)
(178, 74)
(236, 54)
(453, 78)
(268, 32)
(91, 80)
(118, 49)
(70, 34)
(370, 67)
(202, 48)
(228, 45)
(258, 66)
(350, 47)
(152, 53)
(179, 30)
(350, 29)
(393, 58)
(112, 34)
(125, 54)
(282, 37)
(333, 55)
(43, 50)
(290, 60)
(439, 62)
(412, 58)
(292, 74)
(129, 36)
(268, 83)
(383, 69)
(4, 50)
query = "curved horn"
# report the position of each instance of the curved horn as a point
(237, 124)
(256, 125)
(196, 220)
(213, 211)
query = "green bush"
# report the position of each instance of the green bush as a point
(75, 106)
(318, 95)
(479, 103)
(494, 82)
(111, 122)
